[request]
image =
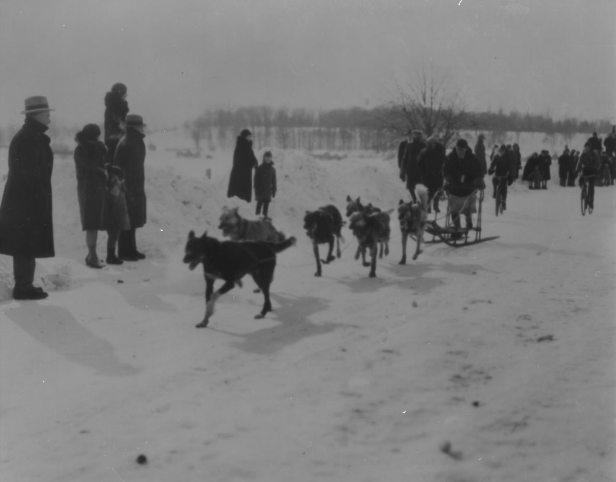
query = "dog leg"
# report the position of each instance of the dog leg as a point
(373, 252)
(315, 249)
(338, 253)
(418, 250)
(330, 256)
(404, 239)
(265, 288)
(209, 306)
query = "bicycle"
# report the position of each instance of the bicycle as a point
(585, 200)
(498, 194)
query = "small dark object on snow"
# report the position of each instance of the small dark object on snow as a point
(446, 449)
(120, 281)
(142, 459)
(545, 338)
(475, 404)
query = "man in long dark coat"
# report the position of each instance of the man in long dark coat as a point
(430, 163)
(401, 150)
(244, 161)
(409, 163)
(26, 223)
(130, 157)
(480, 154)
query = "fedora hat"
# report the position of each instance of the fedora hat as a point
(134, 120)
(36, 103)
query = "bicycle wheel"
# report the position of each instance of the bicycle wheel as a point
(583, 200)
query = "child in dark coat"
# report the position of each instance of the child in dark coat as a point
(117, 211)
(265, 183)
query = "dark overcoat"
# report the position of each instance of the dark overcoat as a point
(91, 182)
(545, 161)
(244, 161)
(480, 154)
(26, 221)
(265, 182)
(130, 157)
(430, 163)
(411, 167)
(116, 109)
(463, 174)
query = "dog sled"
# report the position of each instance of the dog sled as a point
(458, 236)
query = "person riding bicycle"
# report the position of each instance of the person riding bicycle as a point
(462, 175)
(589, 165)
(501, 167)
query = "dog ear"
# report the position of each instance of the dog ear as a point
(204, 235)
(349, 198)
(401, 202)
(191, 235)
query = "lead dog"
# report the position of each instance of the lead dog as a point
(230, 261)
(413, 219)
(324, 226)
(371, 231)
(355, 206)
(237, 228)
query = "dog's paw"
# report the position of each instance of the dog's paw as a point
(403, 261)
(259, 316)
(318, 273)
(366, 264)
(203, 324)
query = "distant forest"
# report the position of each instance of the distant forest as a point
(356, 128)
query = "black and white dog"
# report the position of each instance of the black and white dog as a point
(230, 261)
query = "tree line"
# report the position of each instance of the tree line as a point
(357, 128)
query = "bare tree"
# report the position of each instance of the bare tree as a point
(428, 103)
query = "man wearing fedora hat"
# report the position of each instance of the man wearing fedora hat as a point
(130, 157)
(26, 224)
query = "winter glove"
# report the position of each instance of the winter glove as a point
(402, 176)
(509, 182)
(490, 171)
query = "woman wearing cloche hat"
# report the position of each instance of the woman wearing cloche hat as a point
(26, 223)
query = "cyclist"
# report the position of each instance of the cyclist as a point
(501, 168)
(589, 165)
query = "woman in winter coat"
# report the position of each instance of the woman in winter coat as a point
(89, 158)
(265, 183)
(244, 161)
(130, 157)
(116, 109)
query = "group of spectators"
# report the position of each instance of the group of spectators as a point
(110, 189)
(241, 180)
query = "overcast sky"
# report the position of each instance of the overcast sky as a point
(179, 57)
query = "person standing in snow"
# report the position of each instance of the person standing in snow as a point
(401, 149)
(130, 157)
(89, 156)
(244, 161)
(430, 163)
(265, 183)
(116, 212)
(26, 221)
(480, 153)
(116, 109)
(410, 168)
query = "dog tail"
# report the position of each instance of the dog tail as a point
(287, 243)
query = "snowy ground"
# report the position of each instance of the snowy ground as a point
(492, 362)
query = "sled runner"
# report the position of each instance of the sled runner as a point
(458, 236)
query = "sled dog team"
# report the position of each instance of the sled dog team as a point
(253, 244)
